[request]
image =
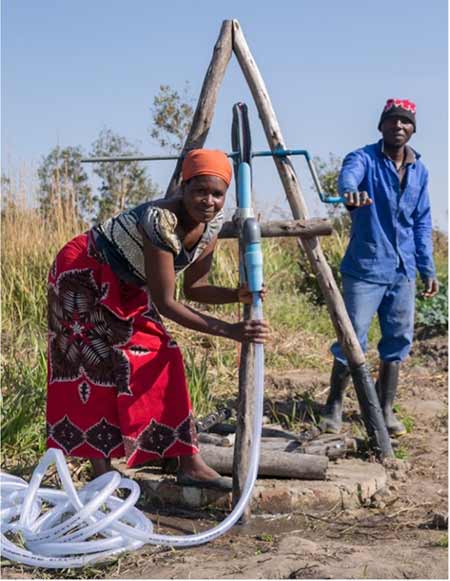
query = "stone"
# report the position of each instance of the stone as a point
(350, 484)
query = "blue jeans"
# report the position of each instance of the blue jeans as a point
(394, 303)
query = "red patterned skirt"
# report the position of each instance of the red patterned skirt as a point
(116, 381)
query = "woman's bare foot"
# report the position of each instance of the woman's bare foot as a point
(195, 467)
(100, 466)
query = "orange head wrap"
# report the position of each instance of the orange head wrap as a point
(206, 162)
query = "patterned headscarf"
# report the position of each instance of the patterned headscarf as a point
(206, 162)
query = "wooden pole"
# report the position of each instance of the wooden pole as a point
(362, 380)
(204, 111)
(298, 228)
(244, 421)
(344, 330)
(275, 463)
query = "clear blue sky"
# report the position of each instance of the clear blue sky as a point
(73, 67)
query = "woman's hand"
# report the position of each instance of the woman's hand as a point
(245, 296)
(250, 331)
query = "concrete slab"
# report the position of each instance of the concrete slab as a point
(349, 484)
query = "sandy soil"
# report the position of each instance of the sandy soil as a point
(399, 534)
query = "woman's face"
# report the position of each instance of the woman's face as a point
(204, 197)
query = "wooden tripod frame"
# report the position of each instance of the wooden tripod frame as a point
(231, 39)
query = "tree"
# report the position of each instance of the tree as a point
(63, 183)
(123, 184)
(8, 203)
(6, 188)
(172, 117)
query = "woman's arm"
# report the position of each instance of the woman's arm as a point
(196, 285)
(161, 284)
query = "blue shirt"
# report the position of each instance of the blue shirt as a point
(394, 232)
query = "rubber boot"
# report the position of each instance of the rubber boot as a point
(386, 387)
(331, 418)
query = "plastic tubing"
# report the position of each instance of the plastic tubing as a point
(52, 543)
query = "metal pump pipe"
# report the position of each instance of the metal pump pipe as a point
(325, 198)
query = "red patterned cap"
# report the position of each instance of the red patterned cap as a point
(400, 103)
(400, 107)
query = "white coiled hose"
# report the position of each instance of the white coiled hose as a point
(58, 536)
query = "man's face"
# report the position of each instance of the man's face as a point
(396, 130)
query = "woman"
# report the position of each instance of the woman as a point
(116, 381)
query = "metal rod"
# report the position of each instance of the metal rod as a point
(128, 158)
(323, 197)
(281, 153)
(233, 154)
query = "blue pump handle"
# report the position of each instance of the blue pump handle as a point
(325, 198)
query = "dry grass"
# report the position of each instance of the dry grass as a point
(301, 328)
(29, 244)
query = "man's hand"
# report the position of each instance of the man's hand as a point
(431, 287)
(357, 199)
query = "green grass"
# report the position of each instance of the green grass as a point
(301, 328)
(401, 453)
(432, 314)
(295, 312)
(199, 386)
(265, 537)
(23, 409)
(443, 542)
(409, 423)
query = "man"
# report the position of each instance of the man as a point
(385, 186)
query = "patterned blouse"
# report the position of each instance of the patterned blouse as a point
(120, 242)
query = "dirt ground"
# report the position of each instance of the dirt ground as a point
(401, 533)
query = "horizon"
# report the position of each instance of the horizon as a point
(64, 71)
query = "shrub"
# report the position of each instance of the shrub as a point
(432, 314)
